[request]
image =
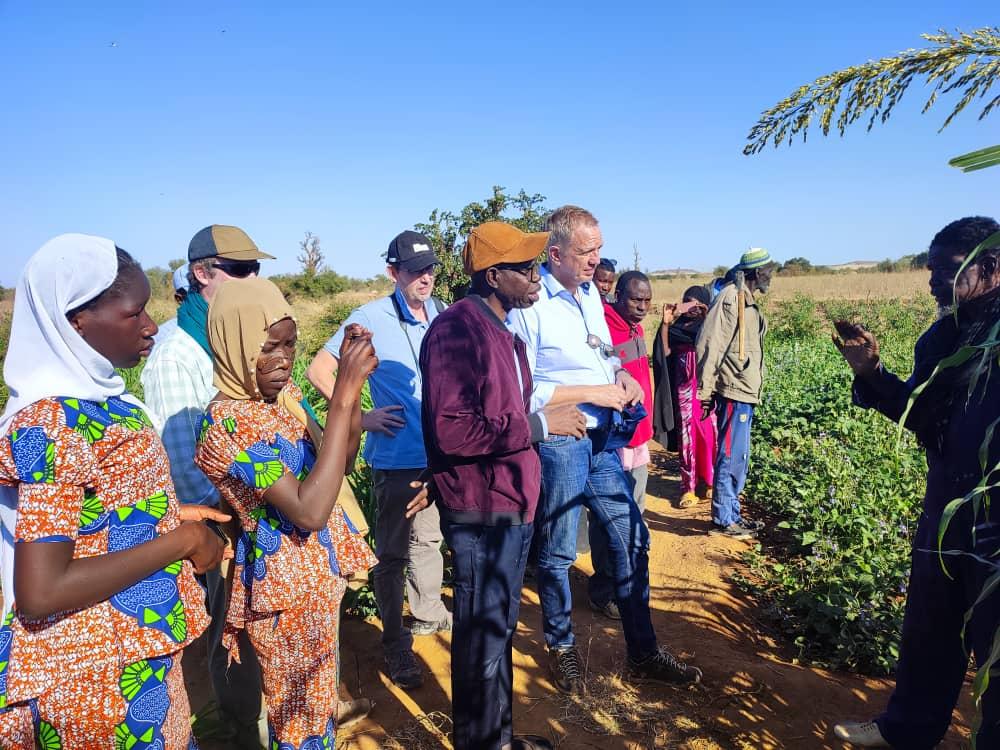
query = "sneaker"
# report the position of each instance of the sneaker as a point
(403, 670)
(664, 666)
(608, 609)
(423, 627)
(352, 711)
(754, 526)
(688, 500)
(567, 672)
(860, 733)
(733, 531)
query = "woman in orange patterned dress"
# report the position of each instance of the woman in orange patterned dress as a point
(97, 558)
(295, 547)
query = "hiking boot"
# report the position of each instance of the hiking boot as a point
(608, 609)
(733, 531)
(352, 711)
(688, 500)
(423, 627)
(566, 670)
(860, 733)
(403, 670)
(663, 666)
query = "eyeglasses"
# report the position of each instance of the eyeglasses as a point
(531, 273)
(238, 269)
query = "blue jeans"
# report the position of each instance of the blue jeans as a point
(732, 456)
(574, 477)
(489, 570)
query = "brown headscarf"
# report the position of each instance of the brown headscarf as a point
(238, 319)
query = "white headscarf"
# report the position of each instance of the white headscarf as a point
(46, 356)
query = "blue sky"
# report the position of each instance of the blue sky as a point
(144, 122)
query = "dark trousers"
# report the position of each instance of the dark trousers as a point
(489, 569)
(933, 656)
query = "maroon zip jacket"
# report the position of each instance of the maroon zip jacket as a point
(477, 430)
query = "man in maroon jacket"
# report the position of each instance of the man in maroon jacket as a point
(480, 449)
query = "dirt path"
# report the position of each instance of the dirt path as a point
(754, 695)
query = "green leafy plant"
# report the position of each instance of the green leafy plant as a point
(845, 493)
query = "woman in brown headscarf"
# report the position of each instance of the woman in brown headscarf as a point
(295, 547)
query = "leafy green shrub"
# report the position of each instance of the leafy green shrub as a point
(313, 339)
(847, 493)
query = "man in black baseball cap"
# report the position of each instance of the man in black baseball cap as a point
(408, 547)
(411, 251)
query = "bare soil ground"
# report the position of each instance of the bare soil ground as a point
(755, 693)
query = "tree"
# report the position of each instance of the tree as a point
(447, 231)
(796, 267)
(176, 263)
(311, 256)
(877, 86)
(635, 256)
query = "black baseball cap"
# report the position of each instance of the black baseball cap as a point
(411, 251)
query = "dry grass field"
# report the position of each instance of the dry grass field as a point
(857, 286)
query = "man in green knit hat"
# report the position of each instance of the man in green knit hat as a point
(730, 351)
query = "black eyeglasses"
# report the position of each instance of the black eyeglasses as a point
(238, 269)
(531, 273)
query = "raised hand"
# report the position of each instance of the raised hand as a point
(357, 362)
(857, 346)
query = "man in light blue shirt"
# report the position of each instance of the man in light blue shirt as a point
(394, 448)
(568, 345)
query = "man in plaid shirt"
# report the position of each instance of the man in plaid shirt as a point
(178, 384)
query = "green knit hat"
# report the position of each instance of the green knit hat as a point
(753, 258)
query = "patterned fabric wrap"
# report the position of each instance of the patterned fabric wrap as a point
(245, 447)
(696, 437)
(94, 474)
(299, 664)
(141, 707)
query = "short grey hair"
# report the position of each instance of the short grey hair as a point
(561, 223)
(206, 265)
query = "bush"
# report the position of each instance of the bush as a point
(848, 493)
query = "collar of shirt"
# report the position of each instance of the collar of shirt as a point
(406, 313)
(554, 287)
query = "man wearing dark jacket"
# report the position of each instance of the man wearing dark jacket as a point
(480, 449)
(952, 407)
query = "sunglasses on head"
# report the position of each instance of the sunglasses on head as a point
(238, 269)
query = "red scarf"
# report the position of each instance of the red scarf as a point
(621, 333)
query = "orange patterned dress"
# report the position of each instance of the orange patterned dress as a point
(288, 583)
(96, 474)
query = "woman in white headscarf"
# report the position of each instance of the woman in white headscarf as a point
(98, 563)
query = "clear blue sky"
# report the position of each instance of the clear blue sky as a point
(144, 122)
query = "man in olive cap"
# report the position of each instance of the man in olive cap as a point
(730, 352)
(178, 384)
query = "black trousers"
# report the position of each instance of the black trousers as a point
(489, 570)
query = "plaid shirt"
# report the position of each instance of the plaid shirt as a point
(177, 386)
